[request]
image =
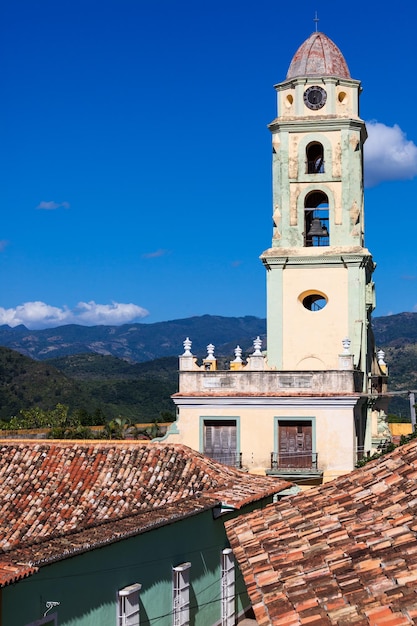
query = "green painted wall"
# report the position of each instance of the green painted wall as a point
(86, 585)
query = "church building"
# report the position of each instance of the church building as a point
(309, 405)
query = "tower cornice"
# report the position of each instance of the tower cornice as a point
(291, 83)
(309, 124)
(303, 257)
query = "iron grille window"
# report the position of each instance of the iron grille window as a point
(128, 613)
(228, 588)
(181, 595)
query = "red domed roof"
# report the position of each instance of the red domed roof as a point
(318, 56)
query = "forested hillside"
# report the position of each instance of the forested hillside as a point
(88, 383)
(397, 336)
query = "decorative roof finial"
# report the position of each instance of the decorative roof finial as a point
(346, 345)
(257, 344)
(187, 347)
(238, 355)
(381, 357)
(316, 21)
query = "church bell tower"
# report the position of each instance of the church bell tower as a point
(319, 274)
(311, 406)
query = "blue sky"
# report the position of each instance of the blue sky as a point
(136, 157)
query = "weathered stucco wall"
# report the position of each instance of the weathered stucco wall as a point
(267, 381)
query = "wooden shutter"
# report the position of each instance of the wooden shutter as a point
(295, 444)
(220, 441)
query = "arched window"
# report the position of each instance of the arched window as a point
(316, 219)
(315, 158)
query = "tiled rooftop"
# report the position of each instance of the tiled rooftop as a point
(342, 553)
(59, 498)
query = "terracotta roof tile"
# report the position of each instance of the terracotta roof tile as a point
(11, 573)
(58, 498)
(342, 553)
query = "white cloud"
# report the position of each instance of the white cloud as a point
(388, 154)
(155, 254)
(90, 313)
(36, 315)
(51, 205)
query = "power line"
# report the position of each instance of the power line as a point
(172, 557)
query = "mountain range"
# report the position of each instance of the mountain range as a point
(136, 343)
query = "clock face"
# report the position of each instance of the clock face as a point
(315, 97)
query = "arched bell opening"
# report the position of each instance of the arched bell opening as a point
(315, 158)
(316, 219)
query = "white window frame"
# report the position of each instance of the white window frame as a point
(181, 594)
(128, 611)
(228, 592)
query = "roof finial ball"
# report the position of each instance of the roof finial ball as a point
(316, 21)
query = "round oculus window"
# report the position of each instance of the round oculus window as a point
(314, 301)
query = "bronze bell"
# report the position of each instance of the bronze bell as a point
(317, 229)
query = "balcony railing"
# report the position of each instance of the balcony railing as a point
(294, 461)
(232, 459)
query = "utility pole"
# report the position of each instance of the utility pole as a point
(412, 399)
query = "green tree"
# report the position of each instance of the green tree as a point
(154, 430)
(38, 418)
(167, 416)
